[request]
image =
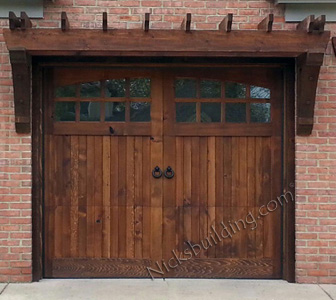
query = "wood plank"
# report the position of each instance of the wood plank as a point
(106, 217)
(223, 268)
(101, 268)
(162, 42)
(130, 172)
(203, 191)
(74, 218)
(211, 189)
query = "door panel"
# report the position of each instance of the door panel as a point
(107, 216)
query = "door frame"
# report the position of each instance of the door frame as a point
(39, 72)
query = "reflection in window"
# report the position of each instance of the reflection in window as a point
(260, 92)
(235, 90)
(140, 87)
(186, 112)
(140, 111)
(89, 111)
(115, 111)
(115, 88)
(90, 89)
(185, 88)
(210, 89)
(235, 112)
(65, 111)
(66, 91)
(260, 112)
(210, 112)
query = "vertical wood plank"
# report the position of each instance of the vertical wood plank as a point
(74, 222)
(106, 217)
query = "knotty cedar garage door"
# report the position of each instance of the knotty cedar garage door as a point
(107, 214)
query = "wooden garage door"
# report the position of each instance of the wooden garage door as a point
(163, 173)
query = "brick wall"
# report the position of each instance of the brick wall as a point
(315, 155)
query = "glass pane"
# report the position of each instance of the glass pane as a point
(66, 91)
(115, 88)
(65, 111)
(185, 88)
(211, 112)
(140, 87)
(260, 112)
(235, 90)
(260, 92)
(235, 112)
(140, 112)
(115, 111)
(186, 112)
(90, 89)
(89, 111)
(210, 89)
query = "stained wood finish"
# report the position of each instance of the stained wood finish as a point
(106, 216)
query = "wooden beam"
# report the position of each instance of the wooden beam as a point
(25, 21)
(310, 24)
(65, 25)
(308, 70)
(186, 23)
(131, 42)
(226, 24)
(267, 23)
(146, 22)
(104, 21)
(14, 21)
(21, 70)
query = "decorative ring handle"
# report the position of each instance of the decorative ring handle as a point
(157, 173)
(169, 173)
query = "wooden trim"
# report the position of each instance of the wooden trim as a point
(288, 272)
(21, 69)
(308, 70)
(37, 175)
(207, 43)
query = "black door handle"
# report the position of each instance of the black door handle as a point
(157, 173)
(169, 173)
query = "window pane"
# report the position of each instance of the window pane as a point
(115, 111)
(210, 89)
(185, 88)
(115, 88)
(90, 89)
(65, 111)
(186, 112)
(210, 112)
(235, 112)
(235, 90)
(66, 91)
(140, 112)
(260, 112)
(140, 87)
(260, 92)
(89, 111)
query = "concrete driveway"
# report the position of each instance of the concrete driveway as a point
(145, 289)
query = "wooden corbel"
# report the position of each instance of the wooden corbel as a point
(308, 70)
(267, 23)
(146, 22)
(186, 23)
(311, 25)
(21, 70)
(65, 25)
(226, 24)
(105, 21)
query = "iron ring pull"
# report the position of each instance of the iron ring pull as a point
(157, 173)
(169, 173)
